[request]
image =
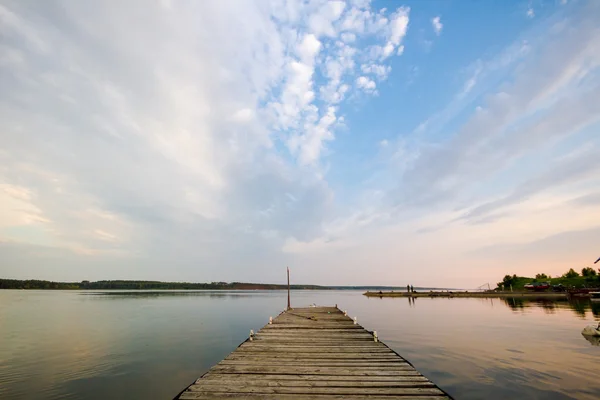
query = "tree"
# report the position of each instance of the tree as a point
(507, 281)
(542, 276)
(571, 274)
(588, 272)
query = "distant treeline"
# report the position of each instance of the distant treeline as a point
(147, 285)
(156, 285)
(587, 278)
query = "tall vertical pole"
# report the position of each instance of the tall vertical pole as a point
(288, 274)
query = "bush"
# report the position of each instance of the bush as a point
(588, 272)
(571, 274)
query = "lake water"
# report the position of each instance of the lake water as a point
(76, 345)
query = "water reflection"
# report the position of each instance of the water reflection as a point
(579, 306)
(139, 294)
(151, 345)
(594, 340)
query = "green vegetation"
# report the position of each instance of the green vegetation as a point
(147, 285)
(588, 278)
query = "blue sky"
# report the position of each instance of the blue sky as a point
(427, 142)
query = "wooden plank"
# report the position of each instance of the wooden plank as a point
(298, 342)
(313, 322)
(331, 336)
(317, 345)
(278, 380)
(265, 361)
(315, 333)
(310, 356)
(307, 370)
(274, 348)
(312, 378)
(232, 383)
(397, 391)
(312, 328)
(357, 360)
(315, 318)
(206, 396)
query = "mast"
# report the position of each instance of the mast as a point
(288, 276)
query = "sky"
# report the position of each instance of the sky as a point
(432, 143)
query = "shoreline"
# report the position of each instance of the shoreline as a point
(548, 295)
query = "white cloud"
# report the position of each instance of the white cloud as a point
(380, 71)
(399, 26)
(309, 48)
(437, 25)
(348, 37)
(243, 115)
(355, 20)
(365, 83)
(321, 22)
(530, 12)
(105, 236)
(395, 30)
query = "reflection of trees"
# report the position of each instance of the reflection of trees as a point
(165, 293)
(579, 306)
(548, 305)
(595, 305)
(514, 303)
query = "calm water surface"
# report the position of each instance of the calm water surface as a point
(76, 345)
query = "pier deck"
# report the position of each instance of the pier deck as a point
(313, 353)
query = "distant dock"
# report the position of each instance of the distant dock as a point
(537, 295)
(313, 353)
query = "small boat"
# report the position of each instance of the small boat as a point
(591, 330)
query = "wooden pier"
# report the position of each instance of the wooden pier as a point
(313, 353)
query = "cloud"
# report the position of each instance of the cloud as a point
(321, 21)
(566, 172)
(522, 117)
(395, 32)
(437, 25)
(565, 248)
(365, 83)
(380, 71)
(530, 12)
(591, 199)
(189, 149)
